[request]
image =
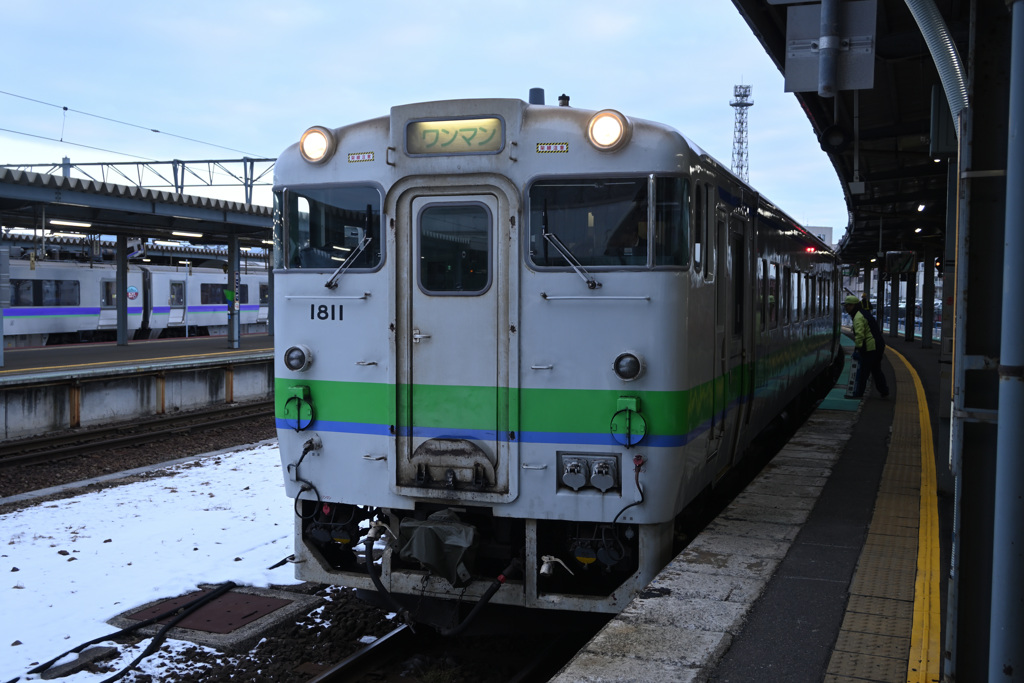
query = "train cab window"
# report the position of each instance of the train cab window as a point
(672, 222)
(773, 295)
(324, 227)
(602, 221)
(455, 248)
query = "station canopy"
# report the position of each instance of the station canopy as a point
(27, 199)
(891, 144)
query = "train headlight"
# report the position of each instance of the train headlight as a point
(298, 358)
(608, 130)
(317, 145)
(628, 366)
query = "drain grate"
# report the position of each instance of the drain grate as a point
(226, 614)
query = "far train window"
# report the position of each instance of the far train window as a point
(211, 294)
(45, 293)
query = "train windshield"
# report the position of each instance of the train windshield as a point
(604, 222)
(323, 227)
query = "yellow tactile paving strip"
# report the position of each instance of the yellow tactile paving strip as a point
(890, 633)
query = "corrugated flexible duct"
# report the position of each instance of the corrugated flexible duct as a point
(944, 54)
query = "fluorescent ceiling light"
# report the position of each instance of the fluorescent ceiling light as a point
(70, 224)
(186, 234)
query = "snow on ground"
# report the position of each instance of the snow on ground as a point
(72, 564)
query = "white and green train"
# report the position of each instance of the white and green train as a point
(514, 341)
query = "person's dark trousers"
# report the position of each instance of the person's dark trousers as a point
(870, 363)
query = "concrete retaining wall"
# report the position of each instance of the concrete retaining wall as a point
(43, 405)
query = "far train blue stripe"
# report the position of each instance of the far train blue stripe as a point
(40, 312)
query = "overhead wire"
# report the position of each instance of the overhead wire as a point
(112, 120)
(75, 144)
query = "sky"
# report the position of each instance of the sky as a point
(70, 565)
(247, 78)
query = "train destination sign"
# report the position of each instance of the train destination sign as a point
(455, 136)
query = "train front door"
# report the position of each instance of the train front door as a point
(176, 303)
(456, 348)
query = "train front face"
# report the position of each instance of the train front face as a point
(479, 315)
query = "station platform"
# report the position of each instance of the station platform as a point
(100, 357)
(58, 388)
(830, 566)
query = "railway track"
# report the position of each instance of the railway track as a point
(383, 648)
(58, 446)
(425, 656)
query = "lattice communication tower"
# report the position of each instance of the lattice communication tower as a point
(741, 103)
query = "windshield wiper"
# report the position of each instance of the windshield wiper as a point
(552, 238)
(333, 282)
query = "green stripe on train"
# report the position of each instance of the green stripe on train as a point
(539, 410)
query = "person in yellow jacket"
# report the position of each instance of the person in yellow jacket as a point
(869, 347)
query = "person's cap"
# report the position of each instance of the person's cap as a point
(851, 299)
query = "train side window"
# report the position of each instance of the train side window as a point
(264, 293)
(108, 294)
(762, 295)
(672, 222)
(809, 298)
(21, 293)
(738, 269)
(215, 293)
(69, 293)
(716, 231)
(698, 226)
(787, 294)
(210, 294)
(323, 227)
(773, 295)
(795, 297)
(48, 291)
